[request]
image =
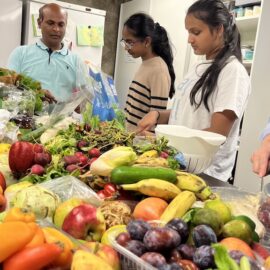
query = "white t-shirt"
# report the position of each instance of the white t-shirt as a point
(231, 93)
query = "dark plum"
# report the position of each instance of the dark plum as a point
(186, 251)
(137, 229)
(171, 266)
(174, 255)
(161, 239)
(237, 255)
(136, 247)
(154, 258)
(204, 257)
(123, 238)
(203, 235)
(181, 227)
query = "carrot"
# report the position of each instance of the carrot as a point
(34, 258)
(14, 236)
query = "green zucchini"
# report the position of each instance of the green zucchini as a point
(129, 175)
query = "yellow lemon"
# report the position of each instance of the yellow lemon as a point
(112, 233)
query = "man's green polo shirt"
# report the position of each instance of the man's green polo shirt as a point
(56, 70)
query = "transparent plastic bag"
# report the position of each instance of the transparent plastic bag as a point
(67, 187)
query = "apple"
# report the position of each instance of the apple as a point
(3, 181)
(3, 203)
(85, 222)
(63, 209)
(260, 250)
(105, 252)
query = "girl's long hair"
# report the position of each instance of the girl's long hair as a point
(215, 14)
(142, 26)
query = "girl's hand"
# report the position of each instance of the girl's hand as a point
(260, 159)
(147, 122)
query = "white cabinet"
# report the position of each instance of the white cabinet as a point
(258, 109)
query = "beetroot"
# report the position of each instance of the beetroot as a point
(71, 160)
(37, 169)
(42, 158)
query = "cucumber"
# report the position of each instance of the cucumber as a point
(130, 175)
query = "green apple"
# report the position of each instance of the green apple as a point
(63, 210)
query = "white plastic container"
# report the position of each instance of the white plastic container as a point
(197, 146)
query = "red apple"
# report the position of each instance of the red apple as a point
(260, 250)
(63, 209)
(85, 222)
(3, 203)
(105, 252)
(3, 181)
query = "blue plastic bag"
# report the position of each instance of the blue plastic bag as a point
(105, 96)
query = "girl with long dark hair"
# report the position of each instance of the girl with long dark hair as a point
(153, 83)
(214, 95)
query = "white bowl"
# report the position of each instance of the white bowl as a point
(197, 146)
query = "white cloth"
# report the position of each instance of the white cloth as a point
(231, 93)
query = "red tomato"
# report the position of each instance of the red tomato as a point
(3, 181)
(103, 194)
(110, 188)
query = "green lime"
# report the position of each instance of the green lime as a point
(255, 237)
(247, 219)
(221, 207)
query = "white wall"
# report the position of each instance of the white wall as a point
(258, 109)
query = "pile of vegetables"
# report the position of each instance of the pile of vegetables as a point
(23, 83)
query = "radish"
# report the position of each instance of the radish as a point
(71, 160)
(94, 152)
(42, 158)
(38, 148)
(72, 167)
(83, 160)
(82, 144)
(37, 169)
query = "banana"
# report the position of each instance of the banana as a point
(178, 206)
(155, 188)
(4, 148)
(150, 153)
(188, 181)
(206, 194)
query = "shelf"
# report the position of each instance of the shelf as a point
(247, 23)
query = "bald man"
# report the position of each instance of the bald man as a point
(49, 60)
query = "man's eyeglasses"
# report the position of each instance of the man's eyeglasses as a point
(128, 43)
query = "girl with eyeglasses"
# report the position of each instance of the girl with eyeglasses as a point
(214, 95)
(153, 83)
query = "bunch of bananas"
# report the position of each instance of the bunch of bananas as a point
(182, 194)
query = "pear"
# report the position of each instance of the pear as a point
(63, 210)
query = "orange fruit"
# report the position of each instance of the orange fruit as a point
(233, 243)
(150, 209)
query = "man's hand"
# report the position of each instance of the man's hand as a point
(261, 158)
(48, 96)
